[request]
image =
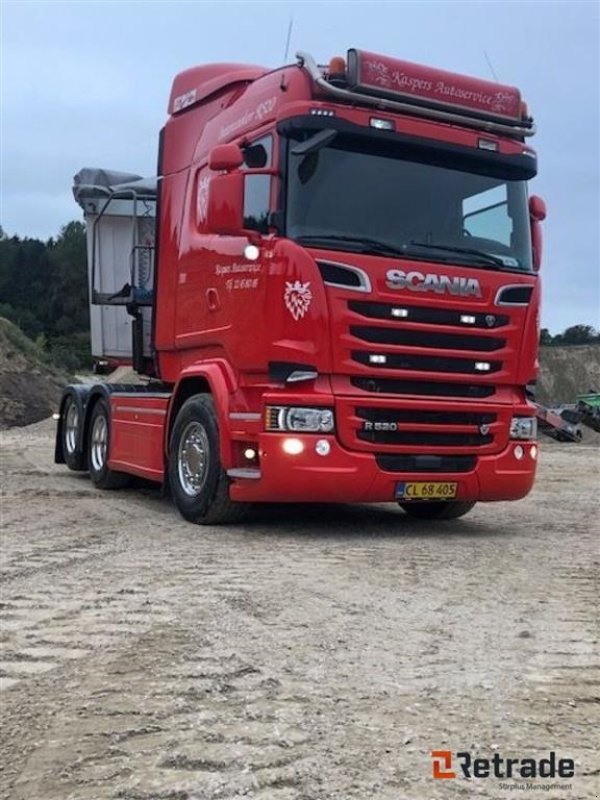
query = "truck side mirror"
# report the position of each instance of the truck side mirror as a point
(225, 206)
(537, 213)
(225, 158)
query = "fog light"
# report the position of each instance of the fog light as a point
(399, 312)
(377, 359)
(519, 452)
(483, 366)
(292, 447)
(467, 319)
(322, 447)
(250, 454)
(533, 452)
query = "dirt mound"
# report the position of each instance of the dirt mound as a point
(29, 388)
(566, 372)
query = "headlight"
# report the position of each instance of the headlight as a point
(523, 428)
(291, 418)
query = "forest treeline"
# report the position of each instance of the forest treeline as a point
(43, 290)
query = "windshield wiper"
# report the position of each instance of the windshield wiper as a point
(364, 242)
(487, 257)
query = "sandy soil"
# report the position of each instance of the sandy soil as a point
(309, 654)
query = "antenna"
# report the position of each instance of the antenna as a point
(492, 70)
(289, 36)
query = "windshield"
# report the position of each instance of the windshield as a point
(349, 195)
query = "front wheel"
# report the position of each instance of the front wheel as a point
(198, 482)
(450, 509)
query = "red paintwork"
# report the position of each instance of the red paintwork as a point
(221, 318)
(137, 434)
(406, 80)
(344, 476)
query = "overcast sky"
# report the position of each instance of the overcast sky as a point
(86, 84)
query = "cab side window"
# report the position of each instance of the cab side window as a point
(257, 188)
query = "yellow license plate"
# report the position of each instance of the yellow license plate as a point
(426, 490)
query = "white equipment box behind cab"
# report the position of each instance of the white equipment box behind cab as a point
(120, 214)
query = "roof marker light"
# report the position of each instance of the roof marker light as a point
(337, 66)
(487, 144)
(483, 366)
(377, 359)
(399, 312)
(382, 124)
(467, 319)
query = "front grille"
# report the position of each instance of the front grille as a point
(406, 361)
(416, 426)
(424, 388)
(443, 341)
(426, 417)
(425, 463)
(425, 438)
(435, 316)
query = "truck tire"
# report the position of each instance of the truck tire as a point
(98, 448)
(70, 434)
(198, 482)
(452, 509)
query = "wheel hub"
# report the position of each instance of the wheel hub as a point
(193, 458)
(71, 428)
(99, 443)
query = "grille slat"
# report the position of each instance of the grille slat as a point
(390, 462)
(433, 439)
(412, 338)
(435, 316)
(407, 361)
(428, 417)
(379, 385)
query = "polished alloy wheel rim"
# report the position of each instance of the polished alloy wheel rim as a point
(99, 443)
(192, 459)
(71, 427)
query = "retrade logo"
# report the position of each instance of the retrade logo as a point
(440, 284)
(442, 767)
(442, 764)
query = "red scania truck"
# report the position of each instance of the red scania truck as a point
(329, 293)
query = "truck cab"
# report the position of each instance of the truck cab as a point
(345, 293)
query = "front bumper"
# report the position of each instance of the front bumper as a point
(345, 476)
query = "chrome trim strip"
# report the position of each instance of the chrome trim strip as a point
(250, 474)
(142, 410)
(301, 375)
(140, 394)
(305, 60)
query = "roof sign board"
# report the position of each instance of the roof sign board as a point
(389, 77)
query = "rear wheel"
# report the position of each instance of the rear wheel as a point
(442, 510)
(198, 482)
(71, 435)
(98, 449)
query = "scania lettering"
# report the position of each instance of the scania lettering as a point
(328, 293)
(417, 282)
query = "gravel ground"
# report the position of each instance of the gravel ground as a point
(309, 654)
